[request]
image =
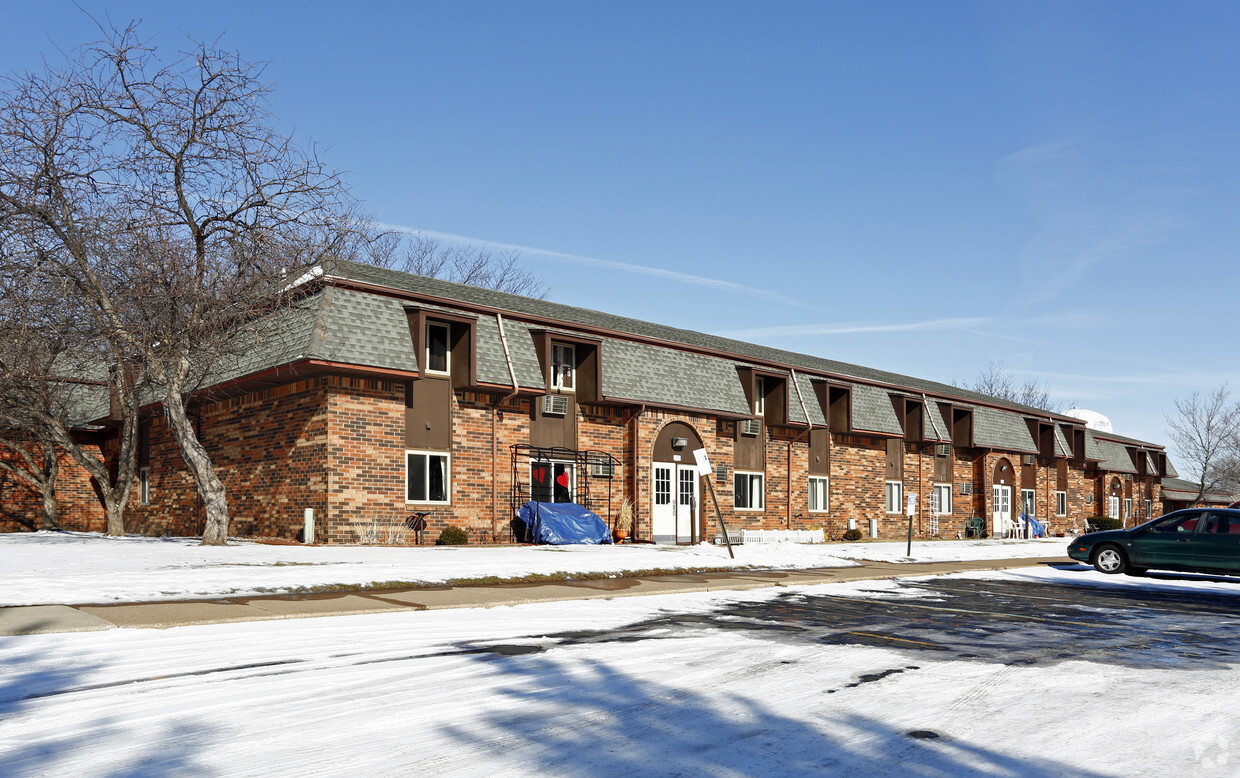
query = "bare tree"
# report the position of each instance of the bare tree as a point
(41, 409)
(995, 381)
(176, 213)
(1205, 431)
(473, 265)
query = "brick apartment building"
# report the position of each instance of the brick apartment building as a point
(385, 394)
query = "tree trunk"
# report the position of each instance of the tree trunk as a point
(115, 511)
(51, 470)
(209, 486)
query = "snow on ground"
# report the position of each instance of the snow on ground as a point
(77, 568)
(489, 692)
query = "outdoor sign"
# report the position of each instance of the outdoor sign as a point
(912, 505)
(703, 463)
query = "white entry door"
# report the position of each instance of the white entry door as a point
(673, 502)
(1001, 510)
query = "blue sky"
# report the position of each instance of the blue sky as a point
(918, 187)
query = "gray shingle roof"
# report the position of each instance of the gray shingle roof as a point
(998, 429)
(349, 326)
(1114, 456)
(596, 319)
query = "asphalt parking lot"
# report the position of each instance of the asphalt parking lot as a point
(1012, 622)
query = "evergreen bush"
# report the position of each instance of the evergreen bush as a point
(452, 536)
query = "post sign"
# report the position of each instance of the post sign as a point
(703, 463)
(912, 505)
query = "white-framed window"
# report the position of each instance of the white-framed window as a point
(759, 396)
(427, 477)
(748, 492)
(1127, 508)
(1113, 507)
(563, 367)
(941, 499)
(1149, 509)
(1028, 502)
(144, 486)
(438, 355)
(1061, 503)
(553, 481)
(819, 494)
(895, 496)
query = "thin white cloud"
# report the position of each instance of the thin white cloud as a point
(807, 330)
(624, 267)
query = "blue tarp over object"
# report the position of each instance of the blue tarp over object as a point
(563, 523)
(1036, 530)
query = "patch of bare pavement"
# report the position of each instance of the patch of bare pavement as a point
(36, 619)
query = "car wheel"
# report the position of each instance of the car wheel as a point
(1136, 570)
(1110, 560)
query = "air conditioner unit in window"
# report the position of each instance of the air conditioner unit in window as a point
(943, 450)
(751, 427)
(602, 468)
(554, 405)
(965, 487)
(1028, 459)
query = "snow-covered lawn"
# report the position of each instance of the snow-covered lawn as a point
(493, 692)
(76, 568)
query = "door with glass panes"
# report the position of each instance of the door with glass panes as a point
(674, 501)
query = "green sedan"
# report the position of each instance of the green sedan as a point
(1196, 540)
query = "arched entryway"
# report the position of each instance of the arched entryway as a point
(1002, 482)
(675, 504)
(1113, 497)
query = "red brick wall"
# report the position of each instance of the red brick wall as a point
(269, 450)
(21, 506)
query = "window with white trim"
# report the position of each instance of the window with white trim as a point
(552, 481)
(759, 396)
(144, 486)
(941, 499)
(1027, 502)
(1061, 503)
(895, 495)
(1127, 508)
(819, 494)
(747, 494)
(1149, 509)
(1112, 507)
(438, 355)
(427, 477)
(563, 366)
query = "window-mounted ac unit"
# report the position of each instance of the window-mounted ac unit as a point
(721, 474)
(751, 427)
(1089, 499)
(554, 405)
(602, 468)
(966, 487)
(1028, 459)
(943, 450)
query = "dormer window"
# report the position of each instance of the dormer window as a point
(563, 367)
(437, 352)
(759, 396)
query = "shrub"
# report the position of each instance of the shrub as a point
(853, 534)
(1100, 523)
(452, 536)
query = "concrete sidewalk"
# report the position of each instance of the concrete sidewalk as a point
(35, 619)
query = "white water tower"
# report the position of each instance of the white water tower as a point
(1092, 419)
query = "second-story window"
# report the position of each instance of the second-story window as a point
(437, 354)
(563, 366)
(759, 396)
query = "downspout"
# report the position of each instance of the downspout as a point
(925, 403)
(499, 320)
(809, 425)
(636, 471)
